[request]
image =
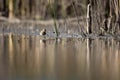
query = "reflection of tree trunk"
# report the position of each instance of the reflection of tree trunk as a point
(51, 59)
(10, 43)
(11, 49)
(10, 9)
(88, 55)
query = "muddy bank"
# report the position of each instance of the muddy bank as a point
(69, 26)
(66, 28)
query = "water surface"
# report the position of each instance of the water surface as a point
(33, 58)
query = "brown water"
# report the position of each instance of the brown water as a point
(63, 59)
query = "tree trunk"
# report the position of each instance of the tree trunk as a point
(37, 14)
(5, 8)
(1, 5)
(22, 8)
(107, 15)
(16, 7)
(89, 18)
(32, 8)
(10, 9)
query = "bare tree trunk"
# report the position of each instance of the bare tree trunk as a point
(22, 8)
(10, 9)
(5, 8)
(89, 23)
(38, 13)
(107, 16)
(32, 8)
(64, 14)
(1, 5)
(116, 6)
(27, 13)
(16, 8)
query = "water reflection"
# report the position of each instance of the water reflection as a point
(65, 59)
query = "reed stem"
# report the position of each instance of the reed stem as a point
(54, 16)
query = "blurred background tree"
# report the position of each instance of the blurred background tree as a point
(104, 15)
(39, 9)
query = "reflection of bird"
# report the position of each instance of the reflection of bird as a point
(43, 32)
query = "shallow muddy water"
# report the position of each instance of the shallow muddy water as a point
(33, 58)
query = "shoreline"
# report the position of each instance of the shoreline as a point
(44, 22)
